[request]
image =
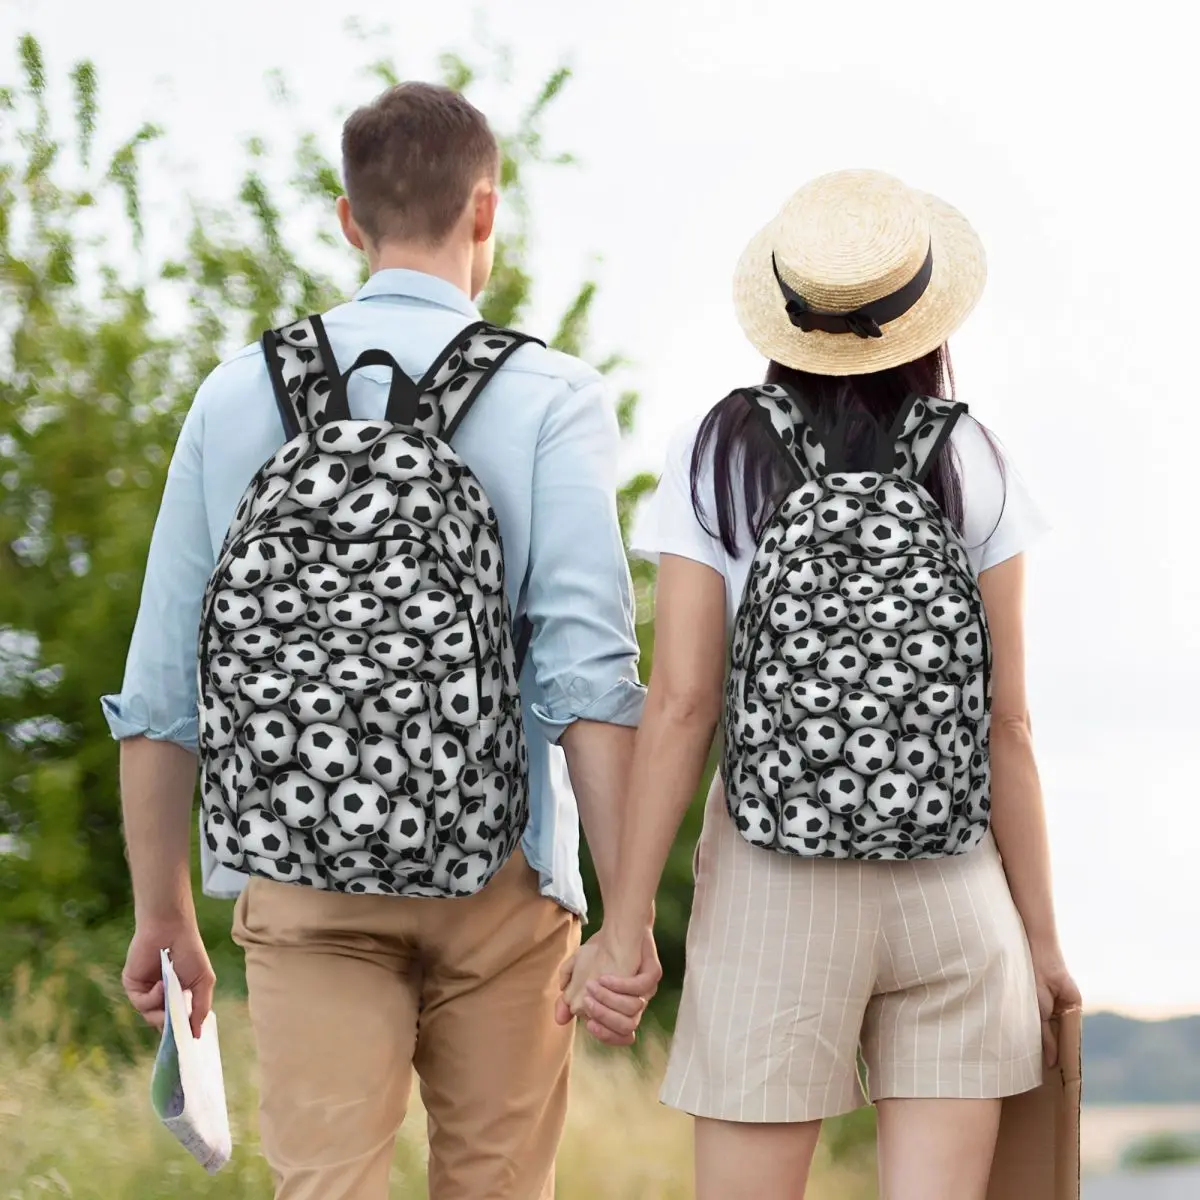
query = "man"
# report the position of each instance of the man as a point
(349, 993)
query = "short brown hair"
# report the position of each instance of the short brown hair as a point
(410, 159)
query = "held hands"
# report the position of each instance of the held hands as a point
(608, 987)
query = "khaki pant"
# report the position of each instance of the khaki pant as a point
(348, 994)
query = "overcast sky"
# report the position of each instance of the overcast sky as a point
(1066, 137)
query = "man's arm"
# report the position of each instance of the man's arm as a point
(155, 719)
(579, 598)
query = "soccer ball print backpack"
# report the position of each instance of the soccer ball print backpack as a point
(360, 724)
(857, 704)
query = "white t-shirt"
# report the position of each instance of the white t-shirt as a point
(999, 516)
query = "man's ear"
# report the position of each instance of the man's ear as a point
(486, 199)
(350, 229)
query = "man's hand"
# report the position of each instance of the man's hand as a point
(142, 977)
(609, 989)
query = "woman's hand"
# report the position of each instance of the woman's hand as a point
(1056, 993)
(609, 987)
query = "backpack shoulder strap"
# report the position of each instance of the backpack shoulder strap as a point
(309, 391)
(922, 428)
(459, 374)
(792, 426)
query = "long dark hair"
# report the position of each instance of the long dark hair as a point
(745, 457)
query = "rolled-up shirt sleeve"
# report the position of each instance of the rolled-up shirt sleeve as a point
(579, 596)
(158, 695)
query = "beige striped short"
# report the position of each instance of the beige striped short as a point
(794, 966)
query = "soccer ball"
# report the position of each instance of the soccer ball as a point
(312, 702)
(841, 791)
(797, 533)
(457, 539)
(301, 658)
(266, 689)
(896, 679)
(898, 500)
(859, 483)
(880, 645)
(263, 834)
(505, 747)
(945, 736)
(821, 739)
(270, 738)
(859, 587)
(421, 503)
(837, 513)
(260, 642)
(449, 758)
(355, 866)
(343, 641)
(355, 558)
(401, 457)
(921, 584)
(808, 577)
(880, 535)
(468, 875)
(216, 722)
(355, 610)
(397, 652)
(361, 511)
(844, 666)
(969, 645)
(297, 800)
(888, 612)
(282, 461)
(319, 480)
(813, 696)
(803, 825)
(869, 751)
(779, 769)
(949, 611)
(327, 752)
(237, 775)
(248, 568)
(416, 740)
(933, 804)
(861, 708)
(322, 581)
(892, 793)
(916, 718)
(427, 611)
(974, 696)
(489, 565)
(829, 609)
(236, 610)
(755, 822)
(802, 649)
(802, 499)
(755, 725)
(396, 578)
(917, 755)
(220, 832)
(770, 681)
(350, 437)
(454, 644)
(939, 698)
(359, 806)
(284, 603)
(473, 829)
(225, 671)
(404, 830)
(459, 697)
(381, 760)
(884, 568)
(928, 534)
(354, 674)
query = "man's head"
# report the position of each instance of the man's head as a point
(421, 168)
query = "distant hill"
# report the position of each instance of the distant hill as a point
(1126, 1061)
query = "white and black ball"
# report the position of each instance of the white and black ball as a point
(869, 751)
(327, 752)
(297, 800)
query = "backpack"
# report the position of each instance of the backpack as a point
(857, 702)
(360, 723)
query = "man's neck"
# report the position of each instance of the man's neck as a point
(451, 263)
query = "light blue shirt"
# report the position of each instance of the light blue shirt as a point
(542, 439)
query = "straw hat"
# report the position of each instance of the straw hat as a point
(857, 273)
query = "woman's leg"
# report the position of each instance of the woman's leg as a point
(936, 1149)
(766, 1161)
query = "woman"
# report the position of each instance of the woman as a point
(859, 884)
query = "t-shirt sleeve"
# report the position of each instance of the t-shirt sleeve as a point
(666, 522)
(1000, 517)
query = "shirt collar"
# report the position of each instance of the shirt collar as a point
(416, 285)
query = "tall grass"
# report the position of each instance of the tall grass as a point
(76, 1123)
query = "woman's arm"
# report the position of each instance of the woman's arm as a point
(680, 716)
(1018, 816)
